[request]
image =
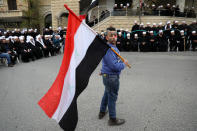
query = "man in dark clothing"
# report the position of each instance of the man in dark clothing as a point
(49, 45)
(144, 44)
(162, 41)
(152, 42)
(193, 39)
(127, 43)
(63, 32)
(4, 54)
(120, 41)
(135, 43)
(40, 43)
(173, 41)
(35, 49)
(25, 51)
(135, 26)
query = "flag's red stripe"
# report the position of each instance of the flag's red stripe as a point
(50, 101)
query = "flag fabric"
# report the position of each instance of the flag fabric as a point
(84, 50)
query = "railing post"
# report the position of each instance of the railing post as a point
(126, 10)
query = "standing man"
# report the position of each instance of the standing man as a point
(111, 69)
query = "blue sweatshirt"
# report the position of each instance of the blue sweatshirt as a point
(111, 63)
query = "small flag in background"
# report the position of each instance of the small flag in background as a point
(83, 52)
(93, 4)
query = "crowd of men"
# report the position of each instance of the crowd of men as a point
(26, 45)
(29, 45)
(176, 36)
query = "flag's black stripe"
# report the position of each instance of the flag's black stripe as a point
(93, 56)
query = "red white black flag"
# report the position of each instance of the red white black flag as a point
(83, 51)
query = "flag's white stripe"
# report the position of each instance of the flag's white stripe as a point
(82, 40)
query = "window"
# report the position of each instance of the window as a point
(1, 2)
(12, 5)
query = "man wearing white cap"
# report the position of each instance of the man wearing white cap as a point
(135, 43)
(49, 44)
(148, 27)
(144, 45)
(25, 51)
(127, 43)
(152, 42)
(162, 41)
(120, 41)
(135, 26)
(173, 41)
(160, 26)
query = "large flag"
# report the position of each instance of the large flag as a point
(84, 50)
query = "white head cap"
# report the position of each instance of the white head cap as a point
(168, 22)
(160, 31)
(193, 32)
(21, 37)
(144, 33)
(136, 35)
(128, 34)
(142, 24)
(148, 23)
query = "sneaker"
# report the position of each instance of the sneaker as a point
(115, 122)
(101, 114)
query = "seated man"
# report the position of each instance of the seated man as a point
(7, 56)
(4, 54)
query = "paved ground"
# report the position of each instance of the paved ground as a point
(159, 93)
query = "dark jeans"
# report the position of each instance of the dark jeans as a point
(110, 96)
(7, 56)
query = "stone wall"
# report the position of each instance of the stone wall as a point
(21, 5)
(45, 9)
(57, 9)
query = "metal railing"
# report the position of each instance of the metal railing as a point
(144, 12)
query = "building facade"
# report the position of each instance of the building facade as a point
(54, 14)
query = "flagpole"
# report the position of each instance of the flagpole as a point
(120, 56)
(70, 11)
